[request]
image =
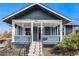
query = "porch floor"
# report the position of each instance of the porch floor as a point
(35, 49)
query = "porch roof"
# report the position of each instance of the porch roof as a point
(77, 28)
(71, 24)
(52, 12)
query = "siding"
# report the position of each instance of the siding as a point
(36, 14)
(69, 29)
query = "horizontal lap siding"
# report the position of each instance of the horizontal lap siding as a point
(51, 39)
(69, 29)
(36, 15)
(21, 41)
(13, 45)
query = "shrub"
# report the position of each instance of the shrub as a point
(70, 42)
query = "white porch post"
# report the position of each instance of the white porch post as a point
(64, 30)
(57, 30)
(32, 30)
(41, 38)
(61, 31)
(52, 29)
(16, 31)
(13, 30)
(23, 29)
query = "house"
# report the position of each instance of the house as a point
(77, 29)
(38, 23)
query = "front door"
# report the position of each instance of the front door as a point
(36, 33)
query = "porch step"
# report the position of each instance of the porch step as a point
(35, 49)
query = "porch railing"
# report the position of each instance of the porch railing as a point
(51, 39)
(23, 39)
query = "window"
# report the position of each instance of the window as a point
(68, 30)
(27, 31)
(51, 30)
(47, 30)
(20, 30)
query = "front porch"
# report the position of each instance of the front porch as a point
(45, 31)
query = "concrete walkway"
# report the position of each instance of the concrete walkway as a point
(35, 49)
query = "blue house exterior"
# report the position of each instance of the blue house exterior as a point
(38, 23)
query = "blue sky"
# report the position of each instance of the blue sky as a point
(70, 10)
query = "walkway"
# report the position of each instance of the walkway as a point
(35, 49)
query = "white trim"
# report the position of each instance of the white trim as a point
(64, 30)
(16, 31)
(57, 30)
(61, 31)
(13, 30)
(41, 38)
(32, 30)
(39, 5)
(55, 21)
(23, 29)
(21, 35)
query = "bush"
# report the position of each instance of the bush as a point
(70, 42)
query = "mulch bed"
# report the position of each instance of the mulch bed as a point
(51, 52)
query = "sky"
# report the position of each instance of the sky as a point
(70, 10)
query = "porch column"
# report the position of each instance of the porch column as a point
(16, 30)
(32, 30)
(57, 30)
(64, 30)
(52, 29)
(23, 29)
(42, 37)
(61, 31)
(13, 30)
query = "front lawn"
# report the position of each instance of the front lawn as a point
(14, 52)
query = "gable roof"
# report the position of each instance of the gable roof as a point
(32, 5)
